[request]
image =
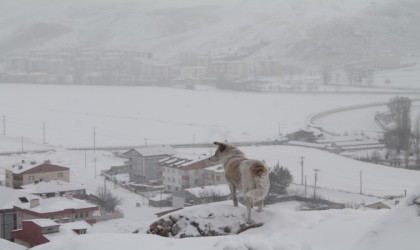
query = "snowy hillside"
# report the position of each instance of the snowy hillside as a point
(284, 228)
(303, 30)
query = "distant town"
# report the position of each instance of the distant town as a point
(129, 67)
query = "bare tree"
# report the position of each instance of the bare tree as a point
(416, 142)
(400, 108)
(106, 201)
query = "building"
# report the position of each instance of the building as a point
(200, 195)
(378, 205)
(214, 175)
(59, 209)
(144, 162)
(184, 171)
(40, 231)
(302, 135)
(9, 198)
(30, 172)
(54, 188)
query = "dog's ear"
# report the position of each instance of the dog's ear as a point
(222, 146)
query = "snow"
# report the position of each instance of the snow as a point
(10, 197)
(7, 245)
(284, 227)
(155, 150)
(50, 187)
(55, 204)
(66, 230)
(44, 222)
(177, 116)
(207, 191)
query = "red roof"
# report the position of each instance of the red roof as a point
(45, 167)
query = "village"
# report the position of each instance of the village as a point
(237, 71)
(41, 204)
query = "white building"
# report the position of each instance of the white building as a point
(184, 171)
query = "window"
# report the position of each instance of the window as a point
(60, 175)
(86, 214)
(31, 178)
(218, 178)
(23, 199)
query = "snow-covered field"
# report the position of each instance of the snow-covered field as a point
(139, 115)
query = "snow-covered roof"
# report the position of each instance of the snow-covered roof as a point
(50, 187)
(217, 168)
(336, 139)
(208, 191)
(183, 160)
(28, 166)
(56, 204)
(67, 229)
(10, 197)
(8, 245)
(44, 222)
(160, 197)
(155, 150)
(356, 143)
(306, 144)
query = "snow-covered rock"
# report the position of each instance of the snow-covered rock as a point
(213, 219)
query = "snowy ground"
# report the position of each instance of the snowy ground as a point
(284, 228)
(156, 115)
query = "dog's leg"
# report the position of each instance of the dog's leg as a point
(249, 204)
(260, 206)
(233, 193)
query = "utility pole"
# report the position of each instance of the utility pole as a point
(85, 159)
(94, 139)
(361, 182)
(43, 131)
(316, 178)
(94, 160)
(4, 125)
(145, 141)
(301, 166)
(21, 142)
(305, 186)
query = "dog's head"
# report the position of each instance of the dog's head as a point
(221, 150)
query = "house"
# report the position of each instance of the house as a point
(144, 162)
(40, 231)
(356, 145)
(9, 198)
(47, 188)
(214, 175)
(200, 195)
(378, 205)
(183, 171)
(59, 209)
(161, 200)
(25, 173)
(302, 135)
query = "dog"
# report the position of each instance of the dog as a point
(251, 176)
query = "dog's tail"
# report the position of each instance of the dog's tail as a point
(259, 173)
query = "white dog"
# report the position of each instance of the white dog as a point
(241, 173)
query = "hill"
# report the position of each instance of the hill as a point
(304, 31)
(284, 228)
